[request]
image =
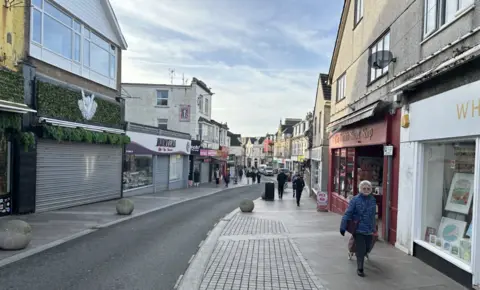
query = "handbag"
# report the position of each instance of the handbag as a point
(352, 226)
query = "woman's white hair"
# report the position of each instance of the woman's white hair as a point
(362, 183)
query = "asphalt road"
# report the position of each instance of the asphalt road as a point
(148, 252)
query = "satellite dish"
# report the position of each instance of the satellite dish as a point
(381, 59)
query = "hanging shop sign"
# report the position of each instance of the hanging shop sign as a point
(196, 146)
(142, 143)
(372, 134)
(208, 152)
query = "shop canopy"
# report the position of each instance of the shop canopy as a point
(148, 144)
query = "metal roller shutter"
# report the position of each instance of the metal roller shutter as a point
(74, 174)
(161, 173)
(204, 172)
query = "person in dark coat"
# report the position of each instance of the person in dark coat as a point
(254, 175)
(226, 178)
(281, 180)
(240, 174)
(217, 176)
(259, 176)
(299, 185)
(196, 177)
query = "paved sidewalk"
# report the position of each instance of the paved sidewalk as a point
(53, 228)
(282, 246)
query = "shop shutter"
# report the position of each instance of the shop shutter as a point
(71, 174)
(180, 166)
(161, 173)
(204, 172)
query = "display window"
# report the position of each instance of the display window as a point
(137, 171)
(343, 160)
(447, 193)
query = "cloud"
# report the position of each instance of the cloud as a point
(261, 58)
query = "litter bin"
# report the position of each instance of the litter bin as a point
(269, 191)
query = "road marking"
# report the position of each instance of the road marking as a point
(209, 232)
(178, 281)
(201, 243)
(191, 259)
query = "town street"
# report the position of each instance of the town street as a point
(149, 252)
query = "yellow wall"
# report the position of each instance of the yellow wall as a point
(12, 21)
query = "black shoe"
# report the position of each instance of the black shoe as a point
(298, 204)
(360, 273)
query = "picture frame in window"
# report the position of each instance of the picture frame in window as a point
(460, 195)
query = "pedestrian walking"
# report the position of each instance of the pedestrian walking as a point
(359, 220)
(259, 176)
(226, 178)
(216, 175)
(254, 175)
(299, 185)
(240, 174)
(196, 177)
(294, 186)
(248, 175)
(281, 180)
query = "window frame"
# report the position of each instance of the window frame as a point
(359, 11)
(441, 19)
(371, 49)
(343, 79)
(157, 99)
(81, 36)
(176, 165)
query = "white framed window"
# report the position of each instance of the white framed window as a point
(162, 98)
(382, 44)
(200, 103)
(358, 11)
(438, 13)
(162, 123)
(341, 87)
(176, 167)
(62, 40)
(207, 106)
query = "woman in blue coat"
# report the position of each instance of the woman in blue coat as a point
(361, 209)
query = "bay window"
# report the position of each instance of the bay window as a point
(64, 38)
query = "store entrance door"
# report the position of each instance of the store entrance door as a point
(5, 192)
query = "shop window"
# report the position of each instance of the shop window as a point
(176, 167)
(137, 171)
(343, 171)
(448, 178)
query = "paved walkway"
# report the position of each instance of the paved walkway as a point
(282, 246)
(53, 228)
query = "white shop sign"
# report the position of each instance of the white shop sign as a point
(160, 144)
(455, 113)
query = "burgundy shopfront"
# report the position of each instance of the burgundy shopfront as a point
(356, 153)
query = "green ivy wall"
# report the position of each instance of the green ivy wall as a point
(62, 103)
(11, 86)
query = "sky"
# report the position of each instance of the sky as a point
(261, 58)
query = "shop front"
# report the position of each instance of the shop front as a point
(359, 152)
(155, 163)
(206, 164)
(440, 182)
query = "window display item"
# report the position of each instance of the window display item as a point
(429, 232)
(465, 250)
(461, 193)
(469, 230)
(433, 239)
(451, 230)
(455, 250)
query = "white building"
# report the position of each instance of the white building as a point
(319, 152)
(254, 153)
(299, 144)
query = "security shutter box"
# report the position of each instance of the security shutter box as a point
(161, 173)
(71, 174)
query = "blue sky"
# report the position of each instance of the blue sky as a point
(260, 57)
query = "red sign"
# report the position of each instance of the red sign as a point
(372, 134)
(322, 201)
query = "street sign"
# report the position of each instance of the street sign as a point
(388, 150)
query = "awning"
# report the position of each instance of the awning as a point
(137, 149)
(15, 107)
(443, 67)
(364, 113)
(68, 124)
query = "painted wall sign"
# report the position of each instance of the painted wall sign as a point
(142, 143)
(184, 113)
(87, 106)
(454, 113)
(372, 134)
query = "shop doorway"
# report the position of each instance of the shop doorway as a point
(370, 166)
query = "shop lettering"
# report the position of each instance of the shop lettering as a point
(464, 110)
(161, 142)
(352, 135)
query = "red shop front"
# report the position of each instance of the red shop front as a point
(356, 153)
